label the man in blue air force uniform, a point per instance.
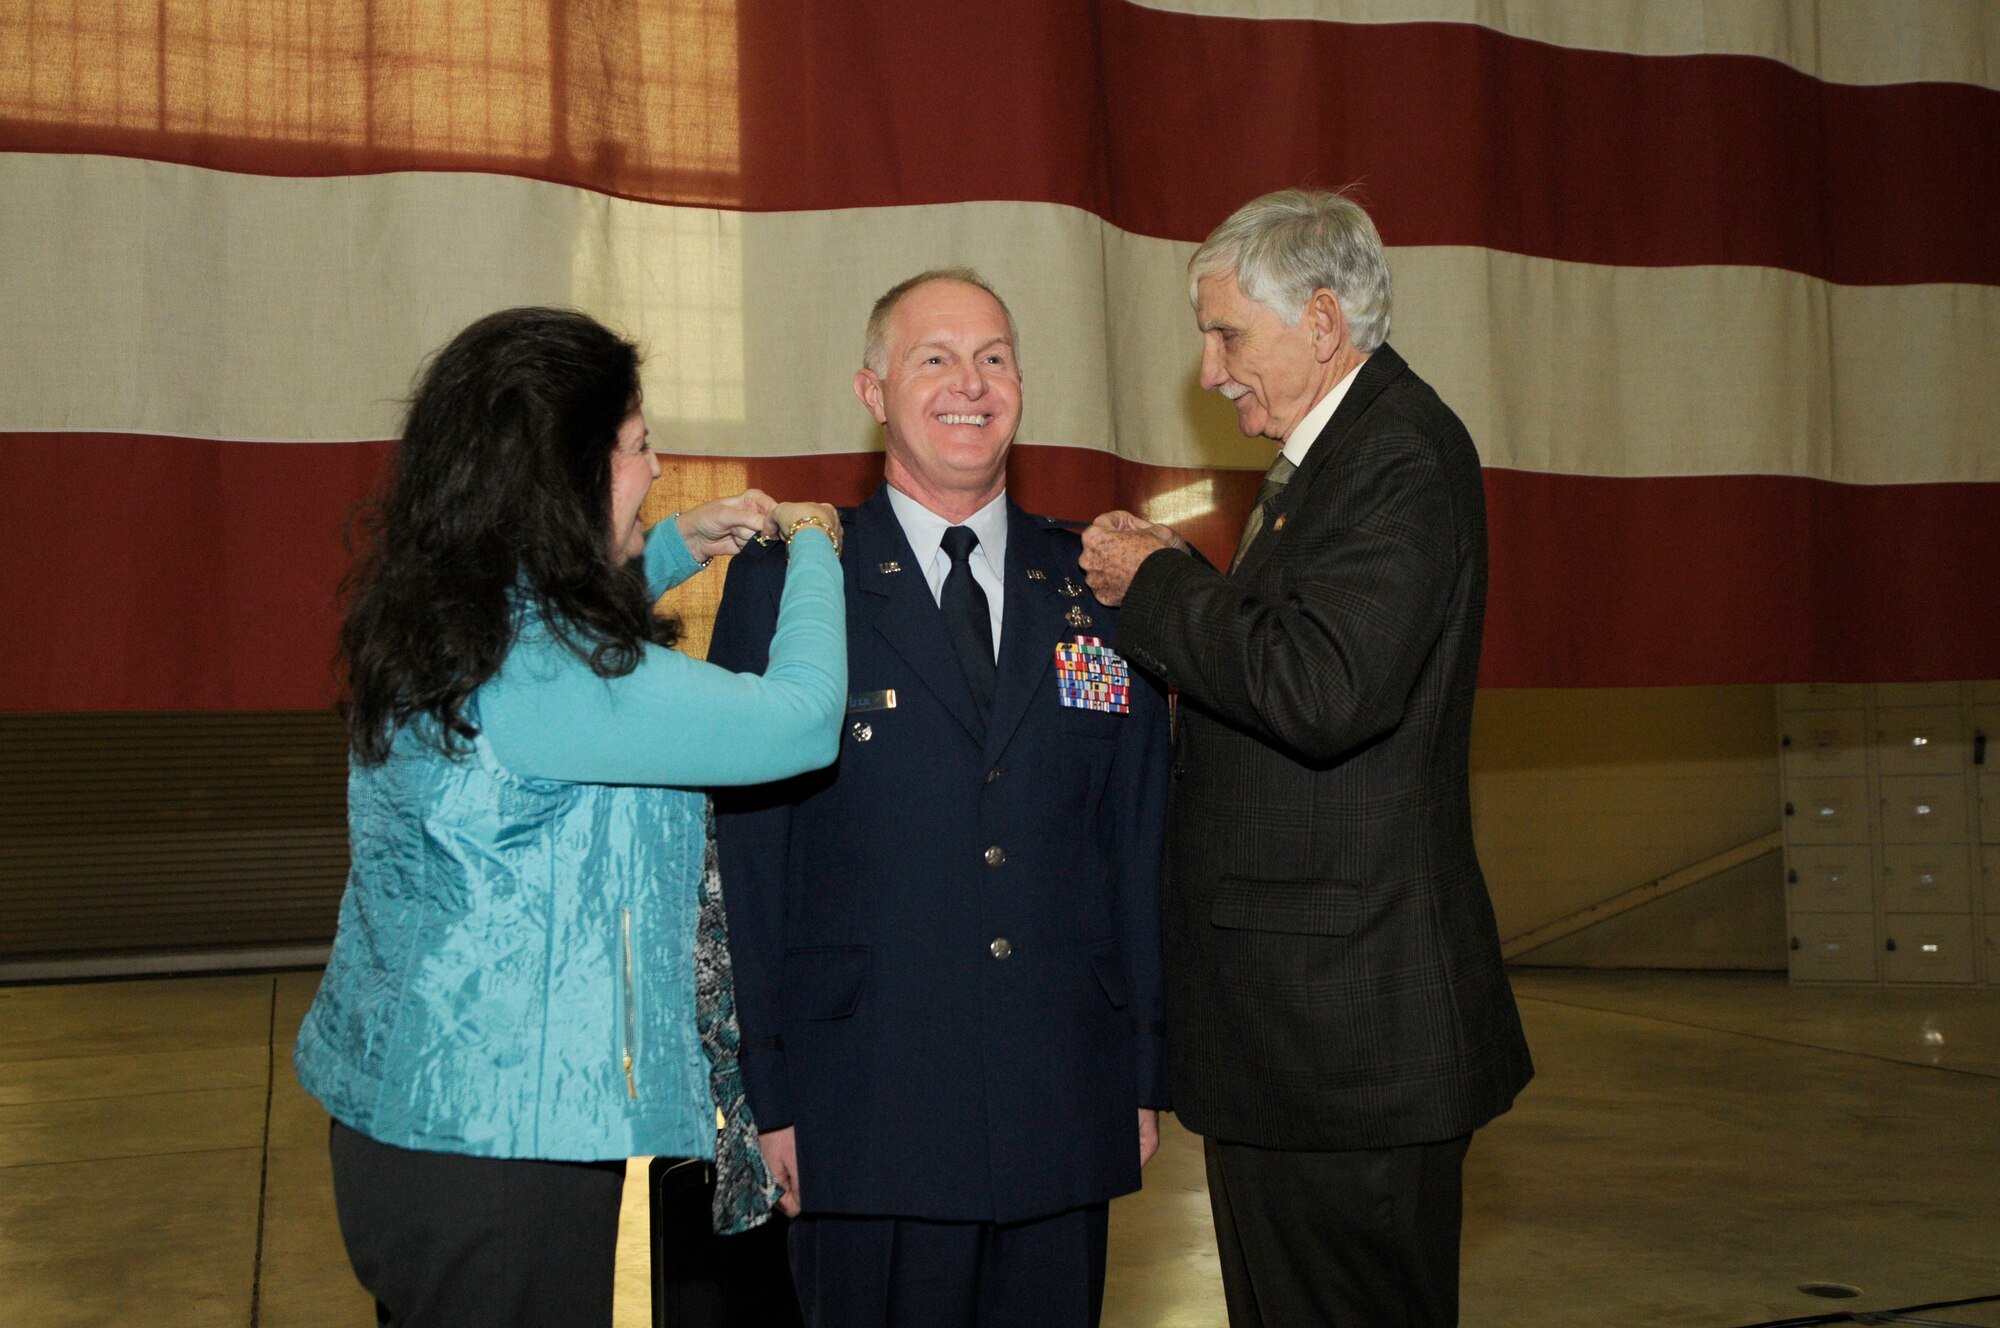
(946, 947)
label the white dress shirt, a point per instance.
(1300, 440)
(924, 529)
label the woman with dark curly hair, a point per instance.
(529, 983)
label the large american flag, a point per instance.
(1713, 285)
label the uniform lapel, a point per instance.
(897, 605)
(1031, 623)
(1380, 369)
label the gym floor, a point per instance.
(1695, 1150)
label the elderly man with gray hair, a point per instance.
(1338, 1019)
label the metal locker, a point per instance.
(1826, 811)
(1891, 826)
(1822, 696)
(1917, 879)
(1818, 743)
(1829, 879)
(1927, 947)
(1919, 740)
(1916, 693)
(1833, 947)
(1923, 809)
(1982, 733)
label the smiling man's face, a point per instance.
(1270, 370)
(949, 397)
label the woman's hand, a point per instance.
(781, 1154)
(786, 515)
(723, 526)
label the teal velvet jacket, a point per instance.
(513, 974)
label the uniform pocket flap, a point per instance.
(1109, 966)
(824, 982)
(1305, 908)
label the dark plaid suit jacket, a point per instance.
(1333, 972)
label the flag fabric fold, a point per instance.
(1720, 302)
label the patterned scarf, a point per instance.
(744, 1189)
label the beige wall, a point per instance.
(1578, 795)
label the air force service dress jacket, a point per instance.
(946, 947)
(1333, 969)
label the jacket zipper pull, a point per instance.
(625, 934)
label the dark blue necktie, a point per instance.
(967, 619)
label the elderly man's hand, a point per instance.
(1113, 548)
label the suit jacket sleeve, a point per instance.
(1322, 656)
(753, 839)
(1134, 820)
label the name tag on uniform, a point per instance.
(1092, 676)
(882, 700)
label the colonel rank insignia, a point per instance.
(1091, 676)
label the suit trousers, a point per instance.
(1360, 1238)
(448, 1241)
(896, 1272)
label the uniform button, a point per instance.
(1001, 947)
(862, 731)
(995, 856)
(993, 775)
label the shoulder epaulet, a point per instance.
(1059, 525)
(758, 550)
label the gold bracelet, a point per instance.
(811, 520)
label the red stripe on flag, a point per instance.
(1461, 135)
(176, 574)
(1163, 123)
(1737, 579)
(173, 574)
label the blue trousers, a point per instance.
(891, 1272)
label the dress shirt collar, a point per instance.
(924, 529)
(1300, 440)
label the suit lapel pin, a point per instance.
(1076, 617)
(1071, 588)
(888, 567)
(1279, 524)
(1037, 574)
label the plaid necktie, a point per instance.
(1274, 480)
